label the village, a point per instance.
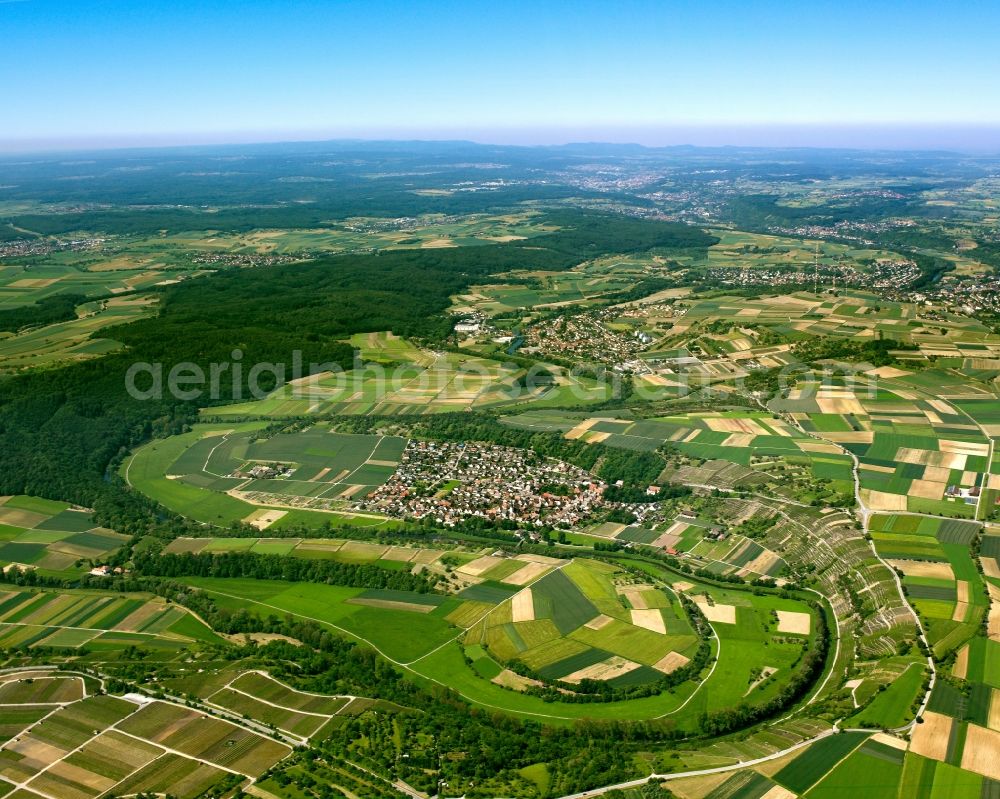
(452, 481)
(586, 337)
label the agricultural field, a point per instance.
(742, 250)
(394, 377)
(254, 694)
(918, 449)
(94, 621)
(221, 475)
(710, 447)
(73, 340)
(539, 290)
(566, 620)
(87, 744)
(52, 538)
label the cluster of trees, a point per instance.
(877, 352)
(47, 311)
(278, 567)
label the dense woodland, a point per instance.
(278, 567)
(57, 308)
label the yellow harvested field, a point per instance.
(850, 437)
(964, 447)
(745, 426)
(581, 428)
(762, 563)
(942, 407)
(390, 604)
(993, 620)
(890, 740)
(818, 447)
(726, 614)
(36, 754)
(778, 792)
(990, 567)
(880, 500)
(527, 573)
(792, 622)
(961, 665)
(926, 457)
(264, 518)
(532, 558)
(606, 670)
(522, 606)
(962, 590)
(840, 406)
(479, 565)
(510, 679)
(671, 662)
(981, 751)
(650, 619)
(698, 787)
(599, 623)
(682, 586)
(742, 440)
(874, 467)
(667, 540)
(34, 283)
(21, 518)
(936, 474)
(634, 597)
(994, 717)
(930, 739)
(75, 774)
(920, 568)
(927, 489)
(427, 556)
(138, 617)
(888, 371)
(658, 380)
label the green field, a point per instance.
(51, 538)
(190, 474)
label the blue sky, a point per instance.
(175, 70)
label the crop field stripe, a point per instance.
(13, 601)
(813, 764)
(570, 609)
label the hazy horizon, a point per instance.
(977, 140)
(901, 75)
